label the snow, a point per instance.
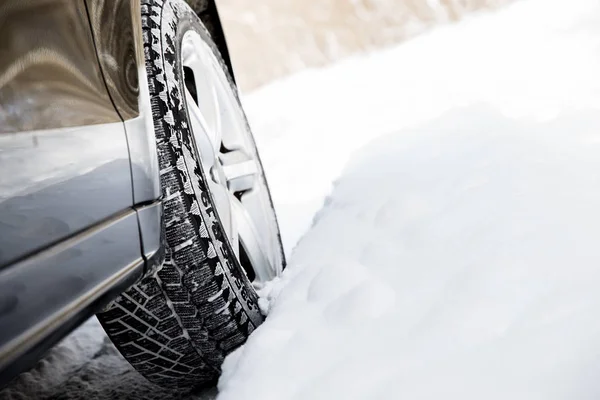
(85, 365)
(470, 273)
(439, 207)
(454, 251)
(535, 59)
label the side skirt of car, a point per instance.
(47, 295)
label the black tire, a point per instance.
(177, 325)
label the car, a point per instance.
(130, 187)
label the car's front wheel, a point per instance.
(176, 325)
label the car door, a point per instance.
(64, 160)
(71, 237)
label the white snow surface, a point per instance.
(455, 252)
(440, 207)
(536, 59)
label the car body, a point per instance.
(80, 199)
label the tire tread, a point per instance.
(176, 325)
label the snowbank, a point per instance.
(457, 253)
(458, 259)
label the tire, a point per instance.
(178, 324)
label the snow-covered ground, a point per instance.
(457, 254)
(440, 206)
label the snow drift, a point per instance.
(457, 253)
(457, 260)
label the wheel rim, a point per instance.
(230, 163)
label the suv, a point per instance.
(130, 186)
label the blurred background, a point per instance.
(269, 39)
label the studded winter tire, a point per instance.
(178, 323)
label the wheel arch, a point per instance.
(209, 15)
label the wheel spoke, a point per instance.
(200, 130)
(239, 170)
(209, 106)
(207, 102)
(248, 237)
(218, 128)
(234, 237)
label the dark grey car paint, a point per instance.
(116, 27)
(42, 296)
(80, 214)
(152, 235)
(117, 30)
(50, 191)
(69, 238)
(59, 131)
(49, 76)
